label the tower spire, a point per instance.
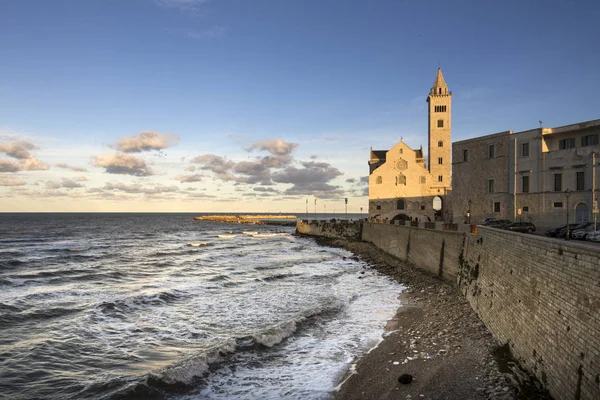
(439, 85)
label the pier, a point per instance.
(251, 219)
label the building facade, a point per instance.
(543, 175)
(401, 182)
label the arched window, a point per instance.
(440, 143)
(379, 180)
(400, 204)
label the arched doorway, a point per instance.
(400, 204)
(437, 207)
(582, 213)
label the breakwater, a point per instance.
(538, 295)
(250, 219)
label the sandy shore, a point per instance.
(438, 339)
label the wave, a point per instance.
(228, 236)
(140, 301)
(36, 315)
(198, 244)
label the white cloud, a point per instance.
(11, 182)
(146, 141)
(123, 164)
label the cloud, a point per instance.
(350, 180)
(189, 178)
(11, 182)
(255, 172)
(274, 146)
(33, 164)
(312, 179)
(182, 5)
(216, 164)
(123, 164)
(137, 188)
(66, 183)
(18, 149)
(72, 168)
(146, 141)
(191, 168)
(9, 166)
(265, 190)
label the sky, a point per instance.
(265, 105)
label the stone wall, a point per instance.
(339, 229)
(542, 296)
(435, 251)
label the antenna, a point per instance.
(540, 123)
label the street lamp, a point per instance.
(469, 212)
(361, 213)
(567, 194)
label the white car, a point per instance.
(593, 236)
(581, 234)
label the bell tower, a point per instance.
(440, 128)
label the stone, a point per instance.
(405, 379)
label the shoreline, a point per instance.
(437, 338)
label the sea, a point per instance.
(161, 306)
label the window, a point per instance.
(440, 143)
(440, 108)
(566, 144)
(558, 182)
(525, 150)
(525, 208)
(589, 140)
(557, 204)
(422, 208)
(422, 179)
(440, 178)
(496, 206)
(400, 204)
(379, 180)
(581, 180)
(490, 186)
(378, 207)
(491, 151)
(525, 184)
(440, 160)
(440, 123)
(465, 155)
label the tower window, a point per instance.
(491, 151)
(465, 155)
(440, 108)
(440, 143)
(440, 178)
(440, 123)
(379, 180)
(440, 91)
(440, 160)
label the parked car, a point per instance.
(593, 236)
(525, 227)
(572, 227)
(580, 234)
(497, 223)
(555, 231)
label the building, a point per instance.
(542, 175)
(400, 182)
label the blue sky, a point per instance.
(219, 105)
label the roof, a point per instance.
(439, 80)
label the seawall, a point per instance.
(539, 295)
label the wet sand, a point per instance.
(437, 338)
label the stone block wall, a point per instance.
(338, 229)
(435, 251)
(542, 296)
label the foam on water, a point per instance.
(263, 314)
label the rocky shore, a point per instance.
(437, 339)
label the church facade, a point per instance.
(402, 182)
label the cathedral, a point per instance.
(402, 183)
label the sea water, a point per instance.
(162, 306)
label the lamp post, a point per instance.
(307, 208)
(469, 212)
(315, 208)
(361, 213)
(567, 194)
